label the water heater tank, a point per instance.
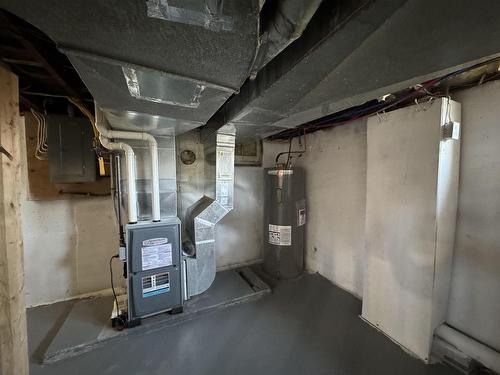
(284, 222)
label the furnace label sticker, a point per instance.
(280, 235)
(156, 253)
(155, 284)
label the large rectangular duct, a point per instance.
(209, 210)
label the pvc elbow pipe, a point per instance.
(131, 174)
(480, 352)
(153, 151)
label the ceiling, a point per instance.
(169, 66)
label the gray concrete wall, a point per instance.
(335, 172)
(474, 306)
(67, 242)
(67, 246)
(335, 164)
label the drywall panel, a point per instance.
(335, 165)
(404, 211)
(474, 306)
(401, 226)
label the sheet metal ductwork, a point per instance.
(168, 66)
(354, 51)
(209, 210)
(288, 22)
(160, 66)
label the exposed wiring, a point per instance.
(403, 98)
(97, 133)
(118, 317)
(87, 113)
(290, 152)
(41, 147)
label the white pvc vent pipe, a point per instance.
(131, 174)
(153, 151)
(467, 345)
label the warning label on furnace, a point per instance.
(280, 235)
(156, 253)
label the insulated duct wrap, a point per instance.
(209, 210)
(290, 19)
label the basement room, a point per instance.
(241, 187)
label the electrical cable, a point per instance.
(290, 152)
(122, 324)
(41, 147)
(87, 113)
(375, 106)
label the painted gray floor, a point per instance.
(306, 326)
(87, 325)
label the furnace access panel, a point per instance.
(153, 268)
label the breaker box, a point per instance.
(71, 155)
(154, 268)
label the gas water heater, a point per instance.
(284, 222)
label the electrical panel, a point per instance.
(70, 149)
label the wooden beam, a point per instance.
(13, 332)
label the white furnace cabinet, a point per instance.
(411, 204)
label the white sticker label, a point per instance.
(155, 284)
(280, 235)
(301, 217)
(456, 130)
(156, 253)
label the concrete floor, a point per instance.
(307, 326)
